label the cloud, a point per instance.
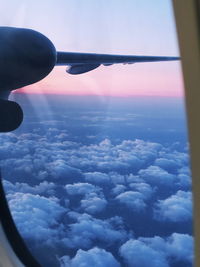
(169, 165)
(177, 247)
(58, 169)
(93, 198)
(158, 251)
(117, 178)
(81, 188)
(176, 208)
(93, 204)
(154, 175)
(136, 254)
(125, 157)
(36, 217)
(172, 160)
(92, 231)
(145, 151)
(184, 178)
(94, 182)
(130, 178)
(44, 188)
(94, 257)
(51, 156)
(145, 189)
(118, 189)
(133, 200)
(97, 178)
(180, 247)
(184, 181)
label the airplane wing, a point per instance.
(78, 63)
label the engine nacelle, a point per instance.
(11, 115)
(26, 56)
(81, 68)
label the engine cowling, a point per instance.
(11, 115)
(26, 56)
(81, 68)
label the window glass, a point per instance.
(98, 173)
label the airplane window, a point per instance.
(98, 172)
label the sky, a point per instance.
(129, 27)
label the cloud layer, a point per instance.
(157, 251)
(105, 203)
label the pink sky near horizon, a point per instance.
(146, 79)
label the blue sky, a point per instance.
(133, 25)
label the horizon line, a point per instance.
(15, 92)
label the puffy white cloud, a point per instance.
(156, 243)
(172, 159)
(105, 144)
(118, 189)
(145, 189)
(180, 247)
(111, 164)
(167, 164)
(176, 208)
(93, 204)
(43, 188)
(134, 179)
(81, 188)
(37, 217)
(36, 157)
(184, 181)
(60, 169)
(136, 254)
(106, 157)
(158, 251)
(97, 178)
(133, 200)
(177, 247)
(94, 257)
(92, 231)
(157, 176)
(185, 170)
(117, 178)
(145, 151)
